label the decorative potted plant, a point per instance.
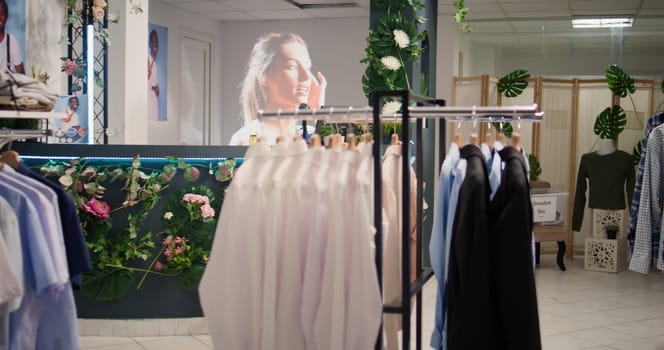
(611, 231)
(325, 131)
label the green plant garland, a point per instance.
(117, 257)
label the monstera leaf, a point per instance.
(107, 285)
(610, 123)
(190, 278)
(619, 82)
(636, 153)
(506, 130)
(513, 84)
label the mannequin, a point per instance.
(608, 173)
(605, 146)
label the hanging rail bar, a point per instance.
(463, 113)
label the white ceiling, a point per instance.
(514, 24)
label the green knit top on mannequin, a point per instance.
(608, 177)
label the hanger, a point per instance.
(350, 140)
(500, 137)
(10, 158)
(315, 141)
(395, 136)
(474, 138)
(488, 139)
(457, 140)
(367, 136)
(516, 136)
(516, 141)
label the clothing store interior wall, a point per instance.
(533, 35)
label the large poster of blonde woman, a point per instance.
(157, 72)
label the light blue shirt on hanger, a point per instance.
(452, 174)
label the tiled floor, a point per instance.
(578, 310)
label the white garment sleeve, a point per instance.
(15, 51)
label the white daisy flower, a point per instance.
(401, 38)
(391, 62)
(391, 107)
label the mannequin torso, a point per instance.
(606, 146)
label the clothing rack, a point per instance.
(427, 108)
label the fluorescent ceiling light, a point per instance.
(602, 23)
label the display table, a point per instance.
(550, 224)
(556, 234)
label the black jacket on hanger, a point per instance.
(514, 296)
(469, 297)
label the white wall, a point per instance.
(485, 59)
(335, 46)
(177, 21)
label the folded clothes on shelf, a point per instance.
(21, 92)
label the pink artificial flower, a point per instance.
(168, 240)
(97, 208)
(167, 253)
(158, 266)
(207, 211)
(179, 239)
(179, 250)
(169, 258)
(195, 198)
(69, 66)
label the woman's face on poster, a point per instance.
(288, 81)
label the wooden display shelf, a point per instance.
(551, 233)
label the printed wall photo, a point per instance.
(278, 75)
(12, 35)
(74, 127)
(157, 72)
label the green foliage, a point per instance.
(610, 123)
(619, 82)
(636, 153)
(460, 17)
(507, 129)
(326, 130)
(19, 123)
(226, 170)
(382, 42)
(513, 84)
(190, 278)
(535, 167)
(117, 254)
(107, 285)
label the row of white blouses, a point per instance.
(293, 261)
(37, 309)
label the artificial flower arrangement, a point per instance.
(79, 14)
(115, 222)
